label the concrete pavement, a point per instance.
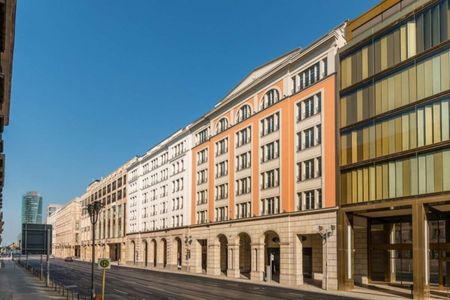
(18, 284)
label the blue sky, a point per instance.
(98, 82)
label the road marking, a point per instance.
(121, 291)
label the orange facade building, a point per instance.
(262, 185)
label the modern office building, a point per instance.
(394, 147)
(111, 224)
(7, 32)
(262, 189)
(32, 208)
(159, 185)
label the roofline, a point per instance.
(312, 45)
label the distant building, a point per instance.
(52, 208)
(32, 208)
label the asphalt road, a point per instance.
(131, 283)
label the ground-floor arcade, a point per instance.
(114, 249)
(286, 248)
(63, 251)
(403, 244)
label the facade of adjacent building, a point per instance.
(7, 31)
(110, 239)
(51, 220)
(52, 208)
(394, 146)
(66, 229)
(32, 208)
(262, 188)
(159, 184)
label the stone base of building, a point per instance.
(287, 249)
(114, 249)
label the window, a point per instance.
(243, 186)
(309, 169)
(202, 217)
(244, 113)
(222, 125)
(202, 176)
(319, 198)
(270, 151)
(419, 126)
(202, 136)
(270, 206)
(222, 191)
(243, 136)
(202, 197)
(243, 210)
(221, 169)
(309, 76)
(222, 147)
(270, 124)
(309, 108)
(309, 138)
(270, 179)
(270, 98)
(309, 200)
(202, 156)
(319, 135)
(243, 161)
(222, 213)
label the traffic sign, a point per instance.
(104, 263)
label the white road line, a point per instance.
(121, 291)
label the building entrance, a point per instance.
(114, 251)
(307, 262)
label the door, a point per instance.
(307, 262)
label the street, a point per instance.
(131, 283)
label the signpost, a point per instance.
(104, 264)
(37, 239)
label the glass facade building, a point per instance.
(32, 208)
(394, 145)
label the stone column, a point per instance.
(420, 252)
(345, 251)
(233, 261)
(257, 273)
(286, 267)
(160, 254)
(195, 263)
(298, 250)
(361, 250)
(213, 259)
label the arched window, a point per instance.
(222, 125)
(270, 98)
(244, 112)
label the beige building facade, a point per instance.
(66, 229)
(110, 239)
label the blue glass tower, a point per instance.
(32, 208)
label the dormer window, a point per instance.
(270, 98)
(244, 113)
(222, 125)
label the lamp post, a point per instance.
(93, 210)
(325, 233)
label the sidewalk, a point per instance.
(17, 284)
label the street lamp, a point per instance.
(325, 233)
(93, 210)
